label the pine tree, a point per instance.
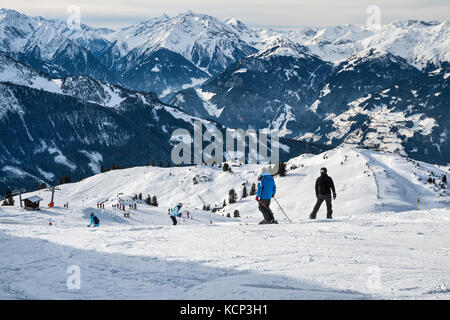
(102, 169)
(253, 189)
(236, 214)
(444, 179)
(244, 192)
(282, 169)
(224, 204)
(148, 200)
(225, 167)
(154, 201)
(204, 207)
(232, 196)
(9, 200)
(140, 196)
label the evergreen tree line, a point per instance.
(151, 201)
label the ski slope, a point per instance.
(378, 246)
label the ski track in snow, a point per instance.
(374, 248)
(304, 260)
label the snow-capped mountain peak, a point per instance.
(21, 33)
(420, 43)
(202, 39)
(280, 46)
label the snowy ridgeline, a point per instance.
(377, 246)
(366, 182)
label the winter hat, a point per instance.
(323, 170)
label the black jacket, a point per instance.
(324, 185)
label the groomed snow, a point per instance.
(378, 246)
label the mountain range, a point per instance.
(76, 99)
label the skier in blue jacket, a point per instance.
(265, 192)
(175, 212)
(94, 221)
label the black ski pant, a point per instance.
(174, 220)
(264, 207)
(321, 198)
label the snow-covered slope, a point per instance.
(17, 73)
(366, 181)
(367, 251)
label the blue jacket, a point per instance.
(266, 187)
(93, 222)
(175, 212)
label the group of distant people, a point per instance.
(120, 206)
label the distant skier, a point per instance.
(264, 193)
(324, 187)
(175, 212)
(94, 221)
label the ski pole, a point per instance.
(261, 203)
(282, 209)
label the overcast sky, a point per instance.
(257, 13)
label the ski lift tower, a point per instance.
(18, 192)
(52, 189)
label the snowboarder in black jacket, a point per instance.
(324, 187)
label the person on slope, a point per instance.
(264, 193)
(324, 187)
(94, 220)
(175, 212)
